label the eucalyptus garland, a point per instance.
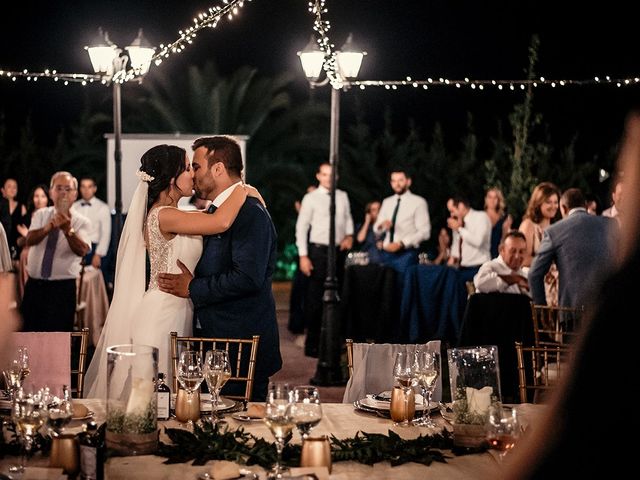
(218, 442)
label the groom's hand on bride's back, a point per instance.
(176, 283)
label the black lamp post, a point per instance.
(107, 59)
(348, 61)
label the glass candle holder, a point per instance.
(132, 425)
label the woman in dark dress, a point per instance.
(17, 210)
(501, 222)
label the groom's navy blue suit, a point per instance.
(231, 290)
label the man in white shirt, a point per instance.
(505, 273)
(98, 212)
(404, 221)
(471, 239)
(59, 238)
(616, 198)
(312, 240)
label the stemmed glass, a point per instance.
(426, 369)
(403, 374)
(279, 418)
(307, 411)
(17, 371)
(28, 413)
(217, 370)
(59, 412)
(502, 428)
(190, 374)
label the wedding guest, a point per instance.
(403, 223)
(366, 238)
(542, 211)
(98, 212)
(501, 221)
(444, 247)
(17, 210)
(616, 208)
(568, 436)
(504, 273)
(59, 238)
(37, 199)
(312, 240)
(593, 204)
(581, 245)
(471, 236)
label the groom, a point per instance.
(231, 285)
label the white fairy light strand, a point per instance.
(330, 66)
(210, 19)
(508, 85)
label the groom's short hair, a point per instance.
(221, 148)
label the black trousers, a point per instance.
(49, 305)
(313, 306)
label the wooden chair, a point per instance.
(555, 325)
(540, 369)
(239, 349)
(79, 346)
(80, 304)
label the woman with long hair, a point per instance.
(140, 312)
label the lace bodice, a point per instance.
(164, 253)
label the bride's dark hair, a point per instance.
(163, 163)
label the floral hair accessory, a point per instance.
(144, 176)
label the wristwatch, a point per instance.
(71, 232)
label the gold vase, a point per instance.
(316, 452)
(64, 453)
(403, 404)
(187, 405)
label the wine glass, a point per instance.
(190, 374)
(28, 413)
(23, 360)
(279, 418)
(403, 374)
(13, 377)
(502, 428)
(307, 411)
(426, 369)
(217, 370)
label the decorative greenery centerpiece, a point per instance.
(218, 442)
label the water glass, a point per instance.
(307, 410)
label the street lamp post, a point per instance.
(348, 60)
(107, 59)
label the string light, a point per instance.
(511, 85)
(209, 19)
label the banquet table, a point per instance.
(339, 419)
(94, 295)
(433, 302)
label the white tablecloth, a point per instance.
(338, 419)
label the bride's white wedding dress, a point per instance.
(157, 314)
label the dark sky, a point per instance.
(484, 40)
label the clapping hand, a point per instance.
(176, 283)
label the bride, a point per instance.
(156, 224)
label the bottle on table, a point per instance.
(163, 393)
(92, 451)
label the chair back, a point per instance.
(79, 347)
(540, 369)
(555, 325)
(371, 368)
(55, 359)
(81, 305)
(242, 356)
